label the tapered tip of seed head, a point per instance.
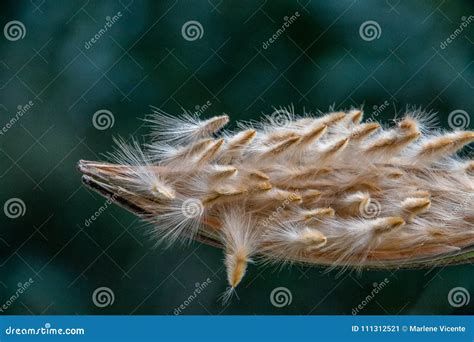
(264, 186)
(80, 165)
(223, 171)
(437, 145)
(411, 136)
(356, 116)
(312, 239)
(217, 122)
(223, 194)
(359, 197)
(159, 190)
(259, 175)
(86, 179)
(320, 213)
(284, 145)
(464, 138)
(314, 133)
(408, 125)
(437, 233)
(295, 198)
(338, 146)
(415, 205)
(212, 150)
(468, 135)
(394, 173)
(199, 145)
(445, 145)
(420, 193)
(83, 165)
(249, 134)
(333, 118)
(365, 130)
(342, 143)
(230, 190)
(386, 224)
(311, 195)
(237, 266)
(231, 170)
(286, 196)
(218, 143)
(469, 167)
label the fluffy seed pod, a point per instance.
(328, 190)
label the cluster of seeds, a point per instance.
(325, 190)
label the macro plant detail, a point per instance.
(328, 190)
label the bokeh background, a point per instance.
(323, 59)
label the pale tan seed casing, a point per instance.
(324, 190)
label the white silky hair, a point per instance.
(287, 189)
(142, 177)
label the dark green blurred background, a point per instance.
(320, 60)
